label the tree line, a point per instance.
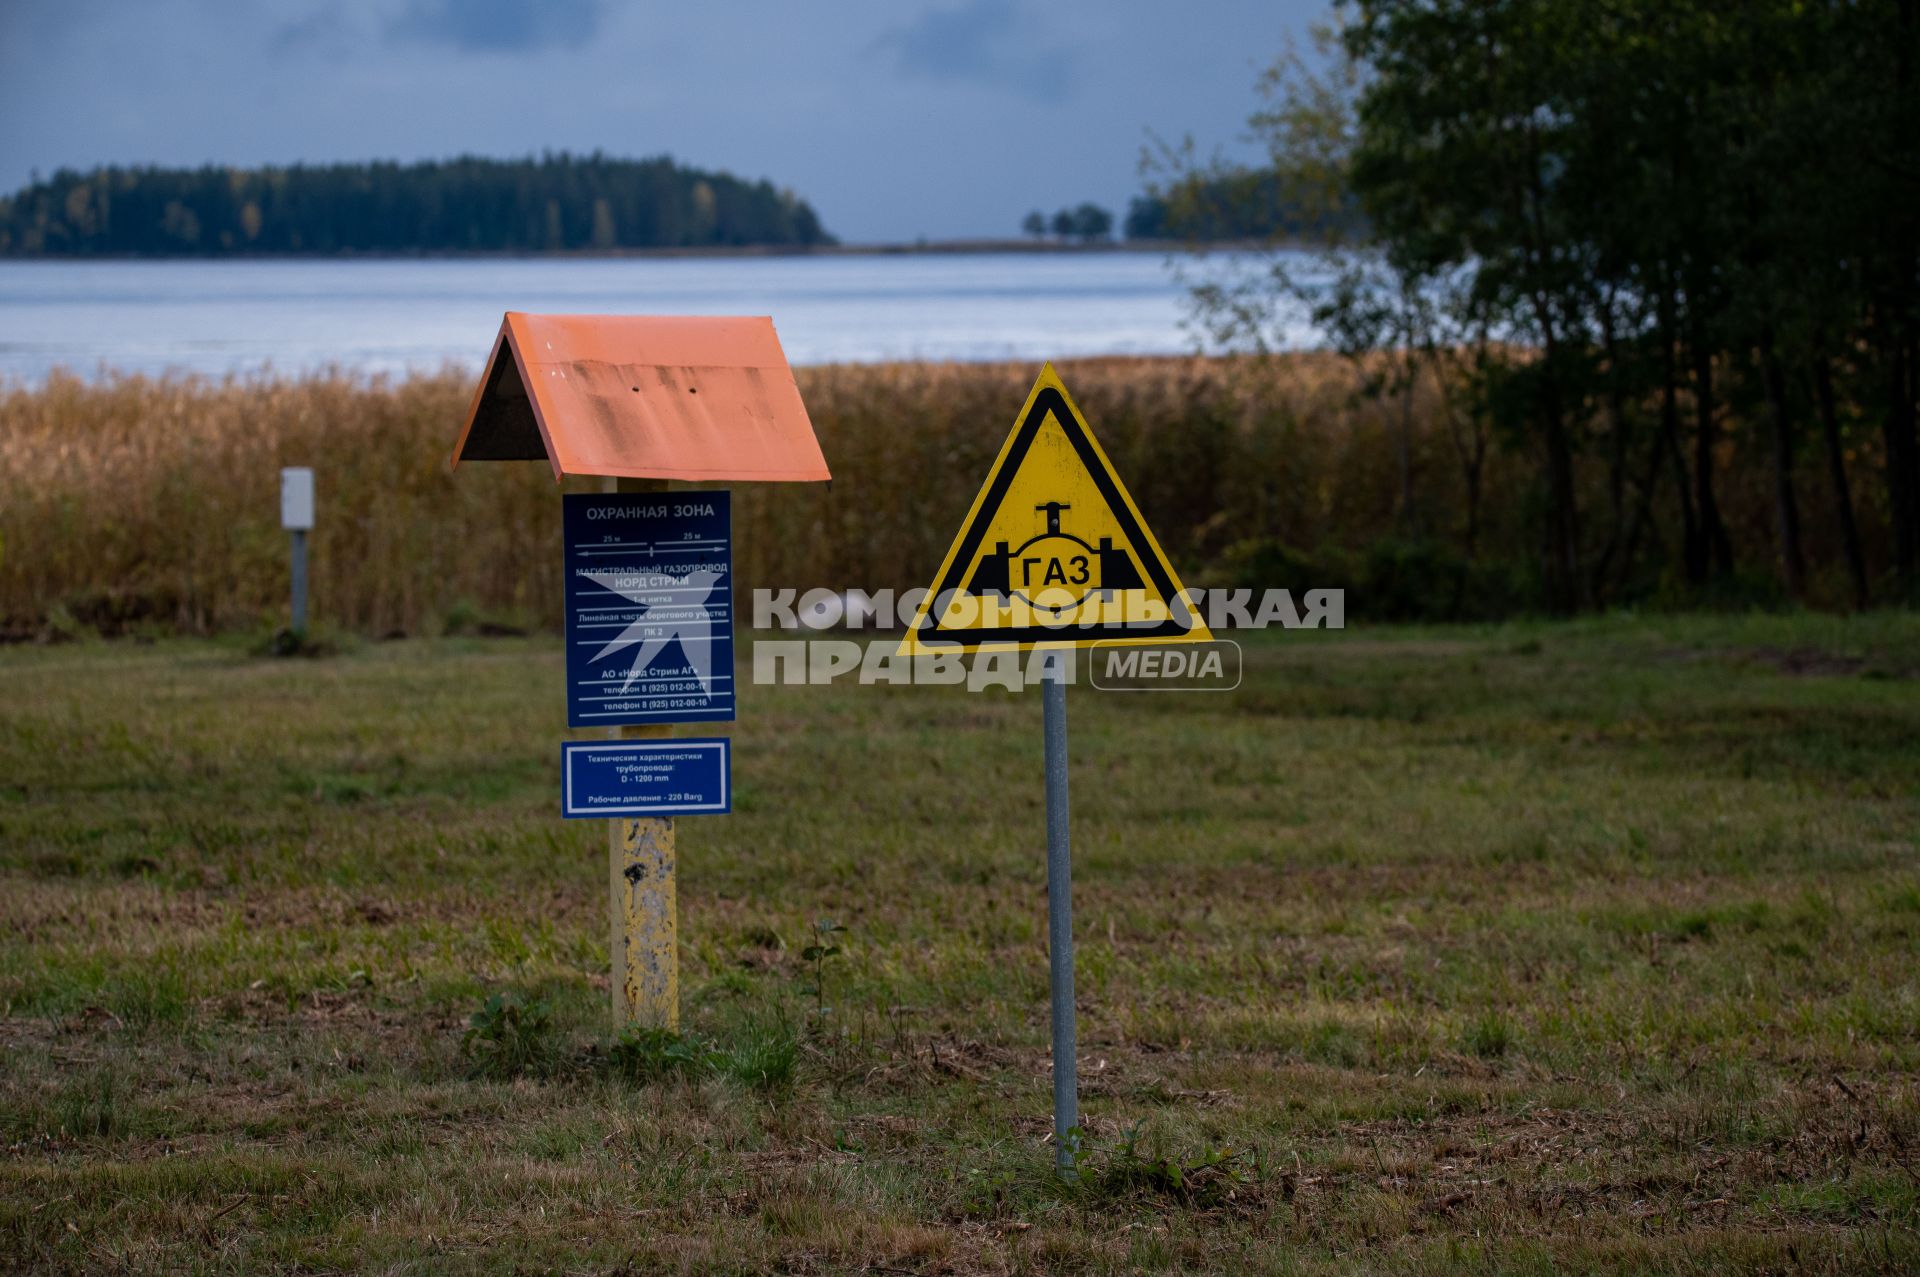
(1645, 245)
(1232, 206)
(1089, 223)
(555, 203)
(1211, 208)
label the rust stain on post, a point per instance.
(640, 876)
(646, 959)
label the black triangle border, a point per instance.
(1050, 400)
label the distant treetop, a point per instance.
(1240, 205)
(1089, 223)
(555, 203)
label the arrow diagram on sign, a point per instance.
(693, 625)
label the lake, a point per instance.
(395, 316)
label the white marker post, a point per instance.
(296, 516)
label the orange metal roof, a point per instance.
(642, 396)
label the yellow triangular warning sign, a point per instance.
(1053, 553)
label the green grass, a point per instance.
(1551, 948)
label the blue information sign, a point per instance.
(646, 777)
(649, 608)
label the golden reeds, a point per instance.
(153, 501)
(136, 501)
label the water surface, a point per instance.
(389, 316)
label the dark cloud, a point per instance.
(984, 42)
(326, 32)
(894, 118)
(498, 26)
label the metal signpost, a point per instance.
(649, 623)
(638, 401)
(1054, 556)
(296, 516)
(1066, 1061)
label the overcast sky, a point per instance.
(895, 118)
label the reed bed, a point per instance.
(132, 502)
(135, 501)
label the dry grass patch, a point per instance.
(1446, 960)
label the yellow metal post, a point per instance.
(640, 867)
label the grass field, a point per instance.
(1556, 948)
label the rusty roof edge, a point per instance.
(532, 354)
(793, 379)
(479, 397)
(701, 474)
(776, 365)
(510, 326)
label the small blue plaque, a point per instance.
(646, 777)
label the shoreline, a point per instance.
(368, 378)
(927, 248)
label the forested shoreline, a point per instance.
(556, 203)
